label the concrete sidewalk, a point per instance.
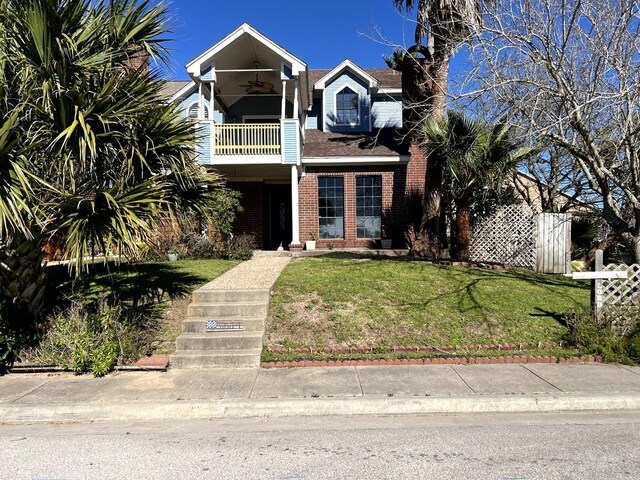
(378, 390)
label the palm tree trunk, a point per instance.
(425, 87)
(22, 276)
(463, 227)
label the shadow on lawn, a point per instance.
(469, 281)
(135, 286)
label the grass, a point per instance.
(381, 303)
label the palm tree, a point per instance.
(89, 151)
(476, 157)
(444, 24)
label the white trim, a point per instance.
(346, 64)
(335, 107)
(295, 207)
(258, 117)
(197, 102)
(183, 91)
(356, 160)
(297, 65)
(249, 160)
(388, 91)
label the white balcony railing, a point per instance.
(246, 139)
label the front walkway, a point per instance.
(226, 320)
(375, 390)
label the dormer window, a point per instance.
(194, 109)
(347, 107)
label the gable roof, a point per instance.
(386, 77)
(297, 65)
(173, 87)
(346, 65)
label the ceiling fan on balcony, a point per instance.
(257, 86)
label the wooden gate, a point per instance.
(553, 243)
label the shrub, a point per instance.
(17, 331)
(241, 247)
(83, 339)
(602, 337)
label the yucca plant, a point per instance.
(89, 151)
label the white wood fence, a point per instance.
(246, 139)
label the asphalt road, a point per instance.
(540, 446)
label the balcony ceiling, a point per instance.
(244, 49)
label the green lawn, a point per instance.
(380, 303)
(135, 283)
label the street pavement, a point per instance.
(363, 390)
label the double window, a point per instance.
(347, 107)
(331, 207)
(369, 206)
(368, 201)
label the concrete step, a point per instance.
(219, 341)
(198, 324)
(222, 358)
(271, 253)
(238, 309)
(227, 296)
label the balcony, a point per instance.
(251, 143)
(246, 139)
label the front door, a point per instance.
(278, 216)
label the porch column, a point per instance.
(283, 113)
(200, 102)
(211, 124)
(296, 113)
(295, 210)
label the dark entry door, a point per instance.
(279, 216)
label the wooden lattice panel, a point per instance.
(621, 297)
(507, 236)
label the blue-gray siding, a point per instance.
(204, 146)
(289, 149)
(361, 88)
(268, 106)
(386, 111)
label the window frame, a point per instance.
(342, 207)
(197, 117)
(335, 106)
(369, 195)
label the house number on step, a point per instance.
(215, 326)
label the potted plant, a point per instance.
(172, 254)
(311, 244)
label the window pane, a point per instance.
(346, 107)
(331, 207)
(369, 206)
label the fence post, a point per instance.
(597, 288)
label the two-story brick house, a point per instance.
(312, 151)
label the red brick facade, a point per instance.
(402, 186)
(252, 220)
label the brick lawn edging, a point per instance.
(416, 348)
(432, 361)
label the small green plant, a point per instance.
(313, 236)
(599, 337)
(241, 247)
(84, 339)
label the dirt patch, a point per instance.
(171, 325)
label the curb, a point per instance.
(431, 361)
(234, 409)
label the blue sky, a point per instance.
(320, 33)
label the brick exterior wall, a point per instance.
(252, 220)
(401, 190)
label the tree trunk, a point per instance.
(425, 86)
(22, 276)
(463, 227)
